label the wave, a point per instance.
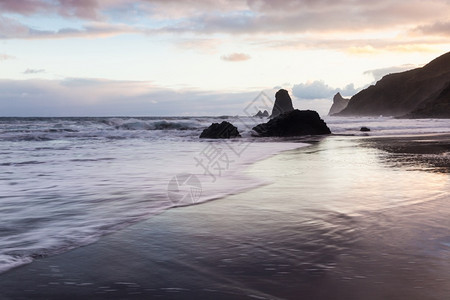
(138, 124)
(188, 128)
(380, 126)
(27, 138)
(8, 262)
(22, 163)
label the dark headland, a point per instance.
(418, 93)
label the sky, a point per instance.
(205, 57)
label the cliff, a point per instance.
(418, 93)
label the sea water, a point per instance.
(64, 182)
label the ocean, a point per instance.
(66, 182)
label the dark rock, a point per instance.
(339, 103)
(438, 107)
(364, 129)
(283, 103)
(224, 130)
(294, 123)
(417, 93)
(261, 114)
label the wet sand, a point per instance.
(339, 221)
(430, 152)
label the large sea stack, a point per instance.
(339, 103)
(418, 93)
(283, 103)
(293, 123)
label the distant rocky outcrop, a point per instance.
(339, 103)
(293, 123)
(283, 103)
(261, 114)
(418, 93)
(224, 130)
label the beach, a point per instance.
(348, 217)
(233, 149)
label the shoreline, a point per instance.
(261, 244)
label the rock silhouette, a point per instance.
(438, 107)
(293, 123)
(418, 93)
(339, 103)
(224, 130)
(261, 114)
(283, 103)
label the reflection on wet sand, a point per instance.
(426, 152)
(337, 222)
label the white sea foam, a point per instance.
(380, 126)
(8, 262)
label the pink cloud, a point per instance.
(23, 6)
(85, 9)
(437, 28)
(234, 57)
(294, 16)
(10, 28)
(247, 16)
(265, 19)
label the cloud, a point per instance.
(293, 16)
(246, 16)
(92, 30)
(379, 73)
(6, 57)
(312, 90)
(338, 24)
(85, 9)
(234, 57)
(10, 29)
(356, 46)
(100, 97)
(34, 71)
(355, 27)
(24, 7)
(320, 90)
(437, 28)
